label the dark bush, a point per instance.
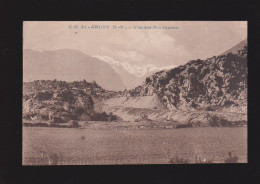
(44, 117)
(58, 120)
(46, 95)
(209, 108)
(219, 80)
(219, 93)
(228, 103)
(194, 105)
(214, 121)
(79, 111)
(41, 125)
(75, 124)
(191, 70)
(148, 80)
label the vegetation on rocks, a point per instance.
(213, 84)
(211, 92)
(58, 102)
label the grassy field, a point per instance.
(71, 146)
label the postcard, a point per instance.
(134, 92)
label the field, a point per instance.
(72, 146)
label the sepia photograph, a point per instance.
(134, 92)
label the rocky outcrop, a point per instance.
(202, 92)
(59, 101)
(215, 84)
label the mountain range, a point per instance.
(69, 65)
(201, 91)
(73, 65)
(211, 91)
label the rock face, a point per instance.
(202, 92)
(59, 101)
(217, 83)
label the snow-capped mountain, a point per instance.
(132, 75)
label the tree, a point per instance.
(214, 121)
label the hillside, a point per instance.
(59, 101)
(200, 91)
(69, 65)
(216, 83)
(236, 48)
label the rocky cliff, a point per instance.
(201, 92)
(211, 91)
(217, 83)
(60, 101)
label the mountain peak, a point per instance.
(236, 48)
(69, 65)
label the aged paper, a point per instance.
(134, 92)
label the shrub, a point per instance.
(44, 117)
(58, 120)
(79, 111)
(214, 121)
(148, 80)
(28, 115)
(228, 103)
(75, 124)
(191, 70)
(209, 108)
(46, 95)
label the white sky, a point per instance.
(192, 40)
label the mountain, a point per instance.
(130, 80)
(132, 75)
(201, 92)
(69, 65)
(210, 92)
(216, 83)
(236, 48)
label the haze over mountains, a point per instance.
(132, 75)
(69, 65)
(73, 65)
(199, 92)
